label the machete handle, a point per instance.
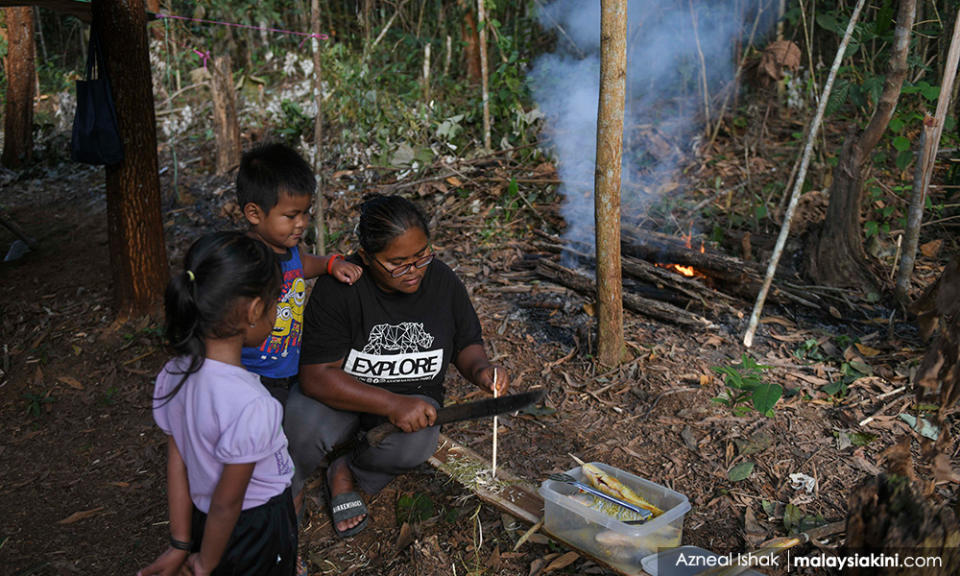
(376, 434)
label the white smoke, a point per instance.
(664, 101)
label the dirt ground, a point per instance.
(82, 463)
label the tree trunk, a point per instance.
(471, 39)
(138, 257)
(226, 126)
(484, 73)
(838, 258)
(613, 76)
(19, 65)
(938, 310)
(319, 220)
(886, 516)
(929, 143)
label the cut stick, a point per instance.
(493, 468)
(801, 177)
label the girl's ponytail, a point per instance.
(203, 301)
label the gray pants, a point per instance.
(313, 429)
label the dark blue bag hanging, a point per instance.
(96, 135)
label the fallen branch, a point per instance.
(801, 178)
(650, 308)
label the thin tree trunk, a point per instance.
(484, 73)
(226, 126)
(471, 39)
(705, 89)
(319, 222)
(930, 142)
(838, 257)
(426, 73)
(138, 257)
(20, 68)
(613, 76)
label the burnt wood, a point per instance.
(651, 308)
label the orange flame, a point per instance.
(685, 270)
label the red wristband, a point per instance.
(333, 258)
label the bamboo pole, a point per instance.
(484, 72)
(930, 141)
(801, 177)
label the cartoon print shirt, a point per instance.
(224, 415)
(279, 355)
(401, 342)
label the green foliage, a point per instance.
(796, 521)
(809, 350)
(740, 472)
(849, 372)
(746, 389)
(415, 508)
(37, 404)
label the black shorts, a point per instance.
(263, 542)
(279, 388)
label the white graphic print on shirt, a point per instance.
(392, 354)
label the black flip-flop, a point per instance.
(345, 506)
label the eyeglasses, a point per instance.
(399, 271)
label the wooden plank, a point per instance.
(508, 493)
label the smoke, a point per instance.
(664, 101)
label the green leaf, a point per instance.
(841, 90)
(931, 93)
(833, 388)
(740, 471)
(861, 367)
(862, 438)
(901, 143)
(903, 159)
(896, 124)
(871, 228)
(765, 397)
(792, 517)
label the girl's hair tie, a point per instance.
(190, 276)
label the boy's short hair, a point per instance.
(269, 169)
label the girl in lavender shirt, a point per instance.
(228, 469)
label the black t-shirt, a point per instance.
(401, 342)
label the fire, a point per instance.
(688, 271)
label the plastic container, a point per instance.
(621, 545)
(684, 561)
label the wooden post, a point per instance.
(613, 80)
(226, 126)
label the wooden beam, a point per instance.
(508, 493)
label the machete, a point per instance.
(465, 411)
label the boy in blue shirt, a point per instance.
(275, 188)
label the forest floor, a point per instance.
(82, 463)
